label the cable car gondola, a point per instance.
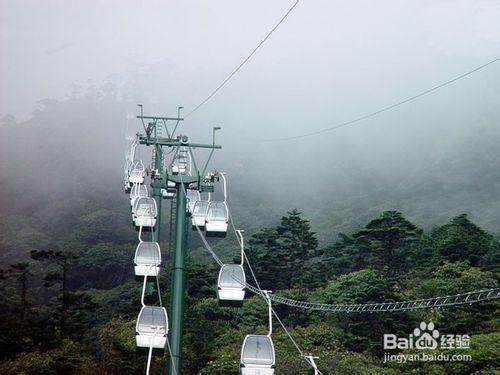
(144, 212)
(257, 355)
(199, 213)
(192, 196)
(257, 352)
(136, 175)
(126, 182)
(135, 206)
(232, 282)
(217, 218)
(151, 328)
(129, 159)
(231, 285)
(137, 191)
(147, 259)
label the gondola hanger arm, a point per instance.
(270, 310)
(239, 234)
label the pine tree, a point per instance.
(388, 242)
(279, 255)
(462, 240)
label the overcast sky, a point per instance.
(329, 62)
(327, 54)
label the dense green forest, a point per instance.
(70, 307)
(70, 299)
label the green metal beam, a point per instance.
(156, 185)
(176, 314)
(173, 142)
(160, 118)
(182, 178)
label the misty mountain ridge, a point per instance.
(73, 150)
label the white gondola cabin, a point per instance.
(257, 352)
(126, 182)
(137, 173)
(129, 160)
(217, 219)
(257, 355)
(199, 213)
(137, 191)
(231, 285)
(192, 196)
(147, 259)
(151, 328)
(144, 212)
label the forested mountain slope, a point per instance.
(66, 248)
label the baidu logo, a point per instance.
(426, 336)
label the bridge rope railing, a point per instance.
(467, 298)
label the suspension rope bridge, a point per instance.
(467, 298)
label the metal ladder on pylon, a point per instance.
(158, 133)
(173, 212)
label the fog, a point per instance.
(91, 62)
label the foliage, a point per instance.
(461, 239)
(278, 254)
(483, 351)
(68, 358)
(387, 243)
(78, 297)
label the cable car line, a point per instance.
(171, 357)
(150, 353)
(268, 297)
(264, 294)
(383, 109)
(226, 80)
(374, 307)
(471, 297)
(257, 353)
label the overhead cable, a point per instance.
(231, 75)
(384, 109)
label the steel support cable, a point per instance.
(171, 357)
(207, 246)
(148, 364)
(150, 353)
(294, 342)
(259, 290)
(262, 294)
(223, 83)
(384, 109)
(205, 242)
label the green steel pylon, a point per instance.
(159, 179)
